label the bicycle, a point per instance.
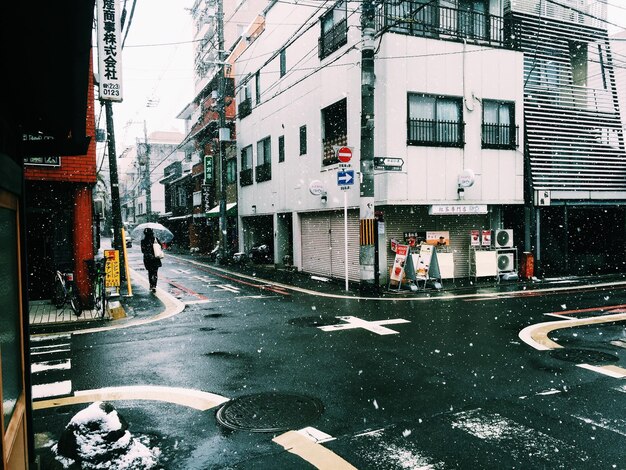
(65, 292)
(97, 271)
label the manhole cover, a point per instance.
(269, 412)
(583, 356)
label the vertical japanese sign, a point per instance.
(109, 50)
(208, 169)
(112, 268)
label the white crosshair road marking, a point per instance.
(373, 326)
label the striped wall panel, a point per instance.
(574, 134)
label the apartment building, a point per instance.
(448, 128)
(217, 153)
(576, 164)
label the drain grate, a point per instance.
(583, 356)
(270, 412)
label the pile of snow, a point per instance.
(98, 438)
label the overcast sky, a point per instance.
(157, 67)
(156, 70)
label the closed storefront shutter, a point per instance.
(316, 248)
(337, 230)
(400, 219)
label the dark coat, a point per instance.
(149, 260)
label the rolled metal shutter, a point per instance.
(316, 248)
(399, 220)
(337, 230)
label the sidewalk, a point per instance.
(464, 286)
(43, 314)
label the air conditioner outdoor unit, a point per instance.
(503, 238)
(506, 262)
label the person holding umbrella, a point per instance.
(151, 259)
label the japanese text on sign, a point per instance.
(112, 270)
(109, 50)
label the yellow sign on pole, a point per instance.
(112, 278)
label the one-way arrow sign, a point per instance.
(345, 177)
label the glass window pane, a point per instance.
(447, 110)
(504, 114)
(10, 341)
(490, 112)
(422, 107)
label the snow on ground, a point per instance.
(98, 438)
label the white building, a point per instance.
(448, 104)
(146, 168)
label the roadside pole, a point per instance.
(345, 234)
(345, 181)
(116, 210)
(367, 221)
(108, 32)
(221, 90)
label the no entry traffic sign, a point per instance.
(344, 154)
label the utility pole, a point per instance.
(368, 275)
(146, 180)
(221, 104)
(116, 210)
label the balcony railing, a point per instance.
(436, 133)
(430, 20)
(499, 136)
(333, 39)
(245, 177)
(263, 172)
(244, 108)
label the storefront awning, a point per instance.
(231, 209)
(180, 217)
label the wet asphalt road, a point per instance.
(454, 388)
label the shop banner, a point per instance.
(414, 239)
(397, 270)
(423, 262)
(394, 245)
(486, 238)
(475, 238)
(438, 238)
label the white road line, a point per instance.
(315, 435)
(228, 287)
(556, 315)
(55, 389)
(50, 365)
(602, 425)
(40, 339)
(206, 279)
(181, 271)
(51, 351)
(611, 371)
(50, 346)
(239, 297)
(203, 301)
